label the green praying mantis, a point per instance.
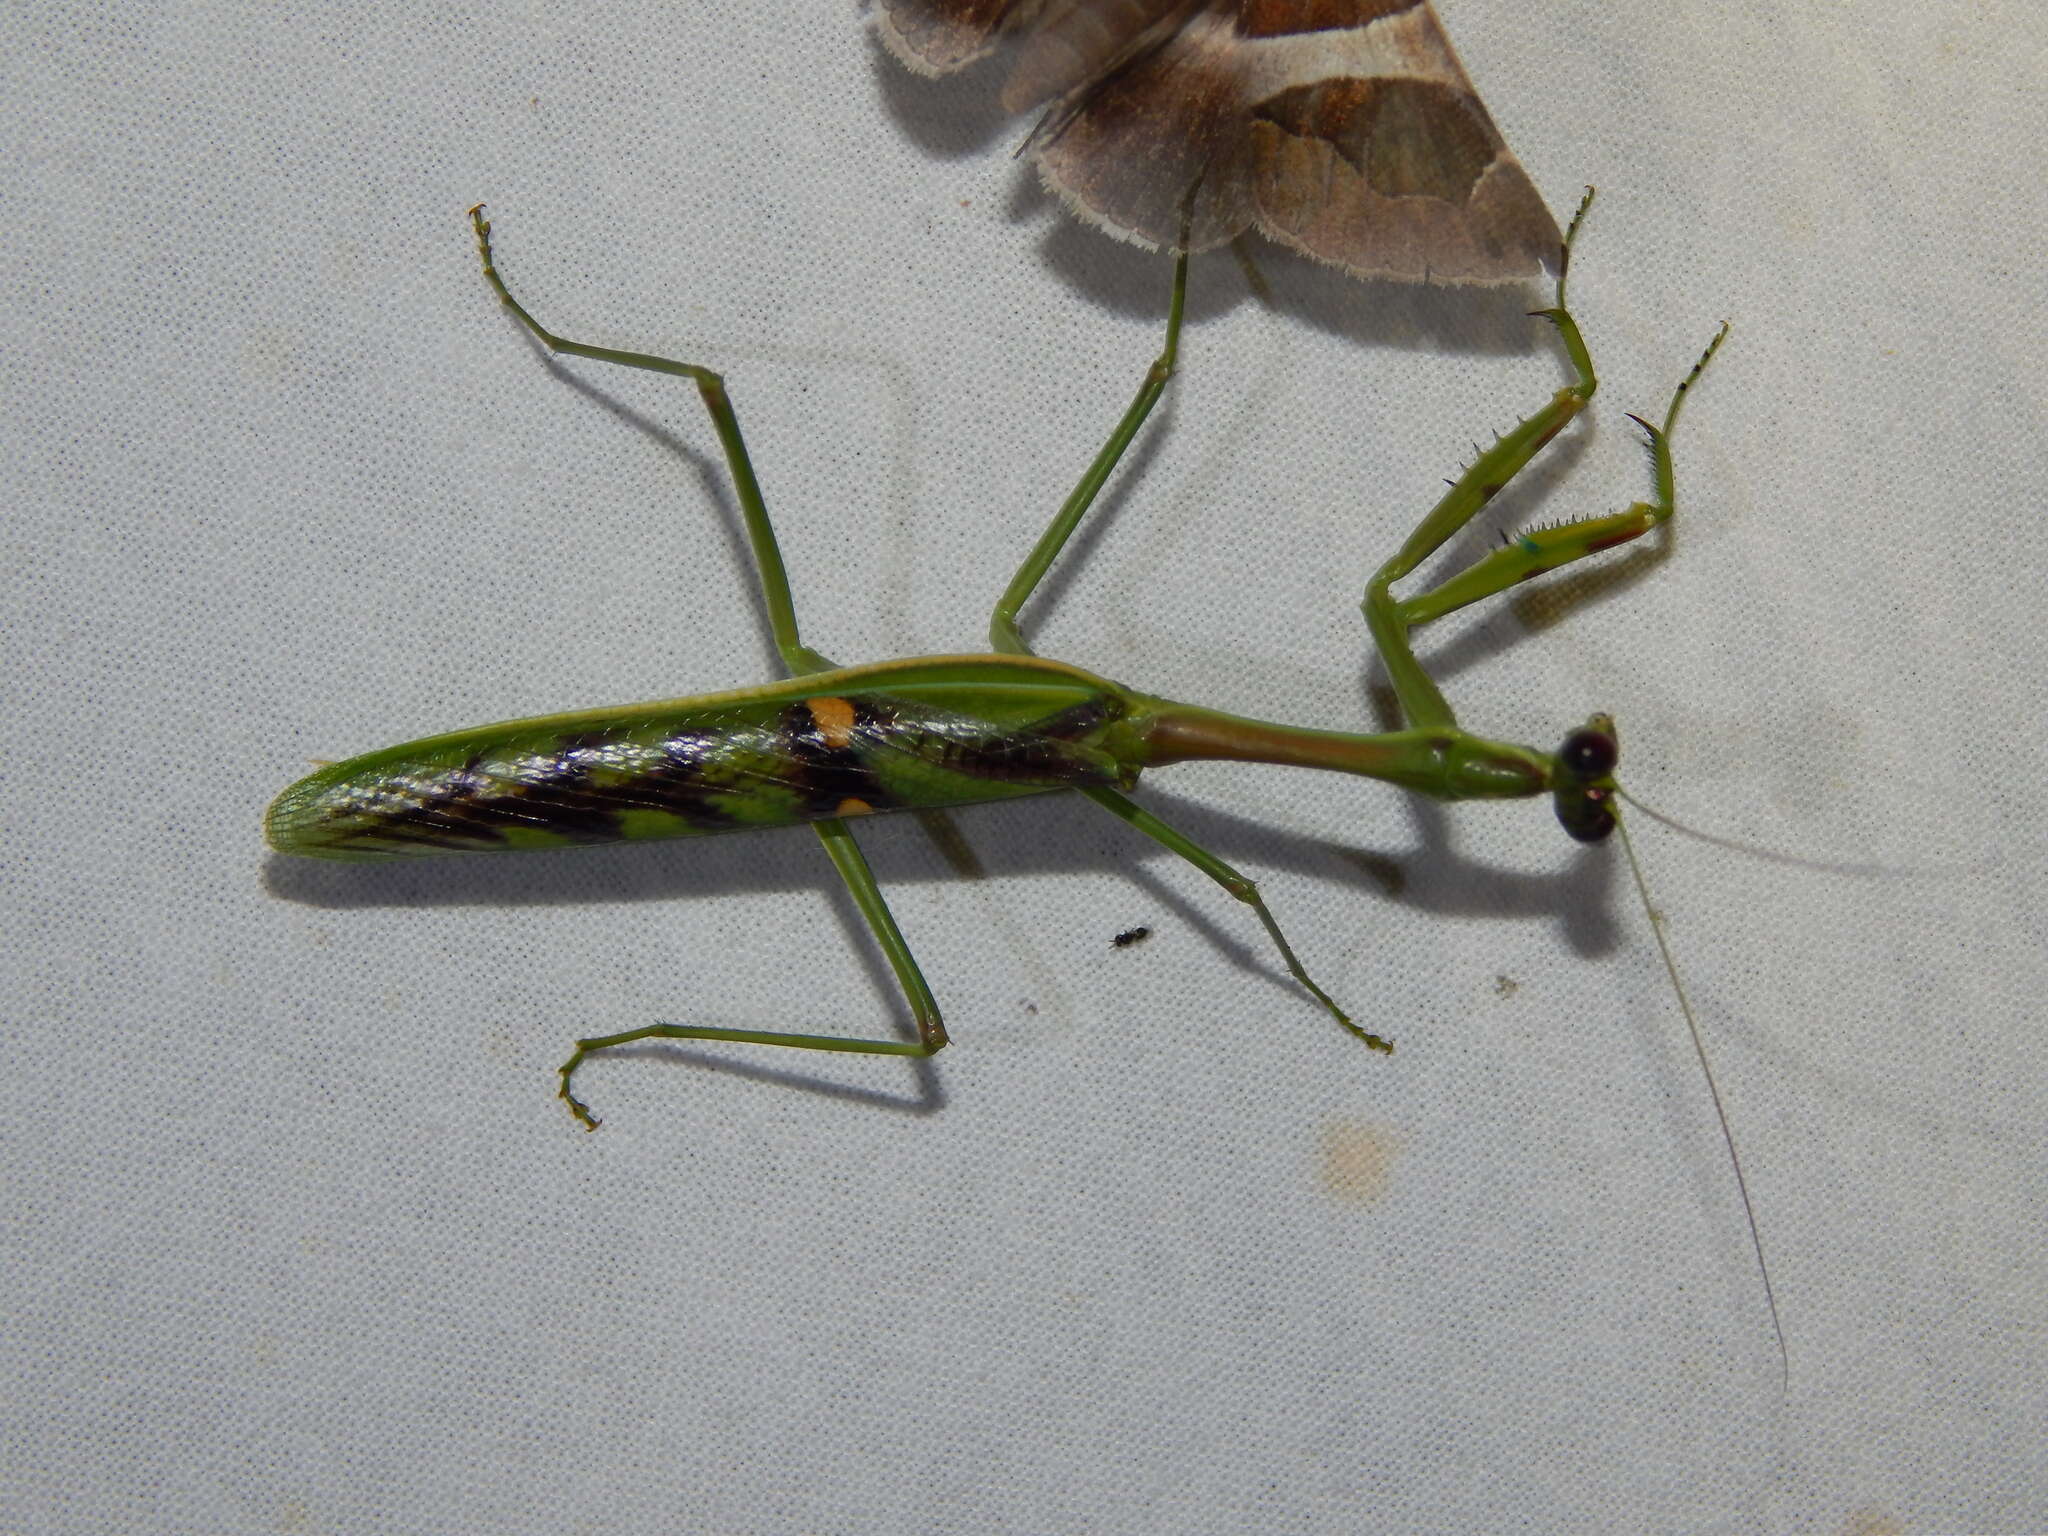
(830, 743)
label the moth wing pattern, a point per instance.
(1395, 168)
(936, 37)
(1066, 43)
(1344, 129)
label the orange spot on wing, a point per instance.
(833, 717)
(851, 806)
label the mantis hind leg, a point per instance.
(1530, 554)
(1003, 633)
(867, 896)
(796, 656)
(800, 659)
(1246, 891)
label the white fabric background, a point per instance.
(297, 1238)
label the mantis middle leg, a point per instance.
(1005, 635)
(800, 659)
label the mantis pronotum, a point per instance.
(830, 744)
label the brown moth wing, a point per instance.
(1124, 150)
(1077, 41)
(1141, 135)
(1384, 161)
(936, 37)
(1345, 129)
(1069, 42)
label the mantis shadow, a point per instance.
(1434, 877)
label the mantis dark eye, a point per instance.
(1588, 753)
(1585, 817)
(1582, 785)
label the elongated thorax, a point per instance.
(925, 733)
(1443, 762)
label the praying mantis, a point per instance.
(830, 744)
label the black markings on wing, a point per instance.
(1042, 753)
(576, 788)
(812, 759)
(821, 754)
(835, 744)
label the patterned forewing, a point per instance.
(721, 763)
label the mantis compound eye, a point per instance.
(1583, 787)
(1587, 818)
(1589, 753)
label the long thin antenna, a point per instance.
(1769, 855)
(1699, 1047)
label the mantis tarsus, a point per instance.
(832, 743)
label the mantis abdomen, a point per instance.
(921, 734)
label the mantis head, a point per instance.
(1582, 781)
